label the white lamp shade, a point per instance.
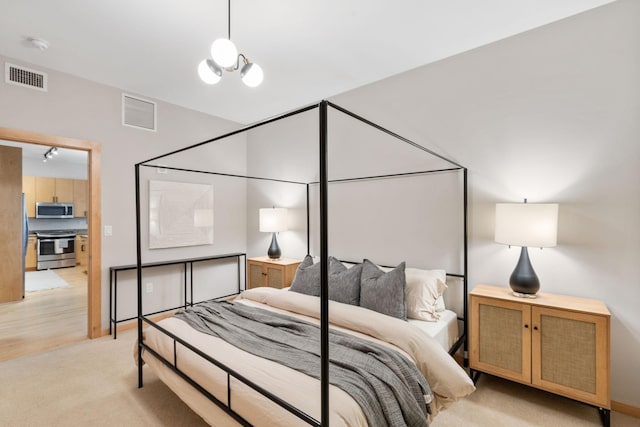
(252, 74)
(224, 52)
(532, 225)
(206, 74)
(273, 220)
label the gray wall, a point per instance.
(78, 108)
(551, 115)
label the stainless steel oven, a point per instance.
(56, 249)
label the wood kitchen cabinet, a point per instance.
(58, 190)
(31, 260)
(263, 271)
(554, 342)
(80, 197)
(29, 190)
(82, 250)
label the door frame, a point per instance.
(94, 272)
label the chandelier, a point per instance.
(225, 57)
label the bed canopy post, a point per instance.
(465, 284)
(139, 273)
(308, 225)
(324, 272)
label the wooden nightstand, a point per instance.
(263, 271)
(553, 342)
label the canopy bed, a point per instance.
(282, 364)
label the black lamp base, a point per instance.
(523, 280)
(274, 250)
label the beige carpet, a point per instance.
(94, 383)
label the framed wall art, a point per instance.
(180, 214)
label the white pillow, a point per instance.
(440, 302)
(424, 293)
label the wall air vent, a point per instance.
(138, 113)
(22, 76)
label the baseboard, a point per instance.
(623, 408)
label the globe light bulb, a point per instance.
(251, 74)
(208, 73)
(224, 52)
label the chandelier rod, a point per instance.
(229, 19)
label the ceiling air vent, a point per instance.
(138, 113)
(22, 76)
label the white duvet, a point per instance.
(446, 378)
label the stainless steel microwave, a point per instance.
(54, 210)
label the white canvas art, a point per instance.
(180, 214)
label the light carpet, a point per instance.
(94, 383)
(42, 280)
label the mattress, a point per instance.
(444, 331)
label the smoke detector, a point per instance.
(39, 43)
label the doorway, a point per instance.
(94, 269)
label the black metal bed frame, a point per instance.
(324, 257)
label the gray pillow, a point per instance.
(383, 292)
(344, 283)
(307, 278)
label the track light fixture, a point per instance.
(53, 151)
(225, 57)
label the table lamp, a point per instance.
(526, 225)
(273, 220)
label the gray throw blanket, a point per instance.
(389, 388)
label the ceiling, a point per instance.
(309, 50)
(37, 152)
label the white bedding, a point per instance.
(447, 380)
(444, 331)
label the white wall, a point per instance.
(283, 150)
(551, 115)
(383, 220)
(78, 108)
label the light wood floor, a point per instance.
(45, 319)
